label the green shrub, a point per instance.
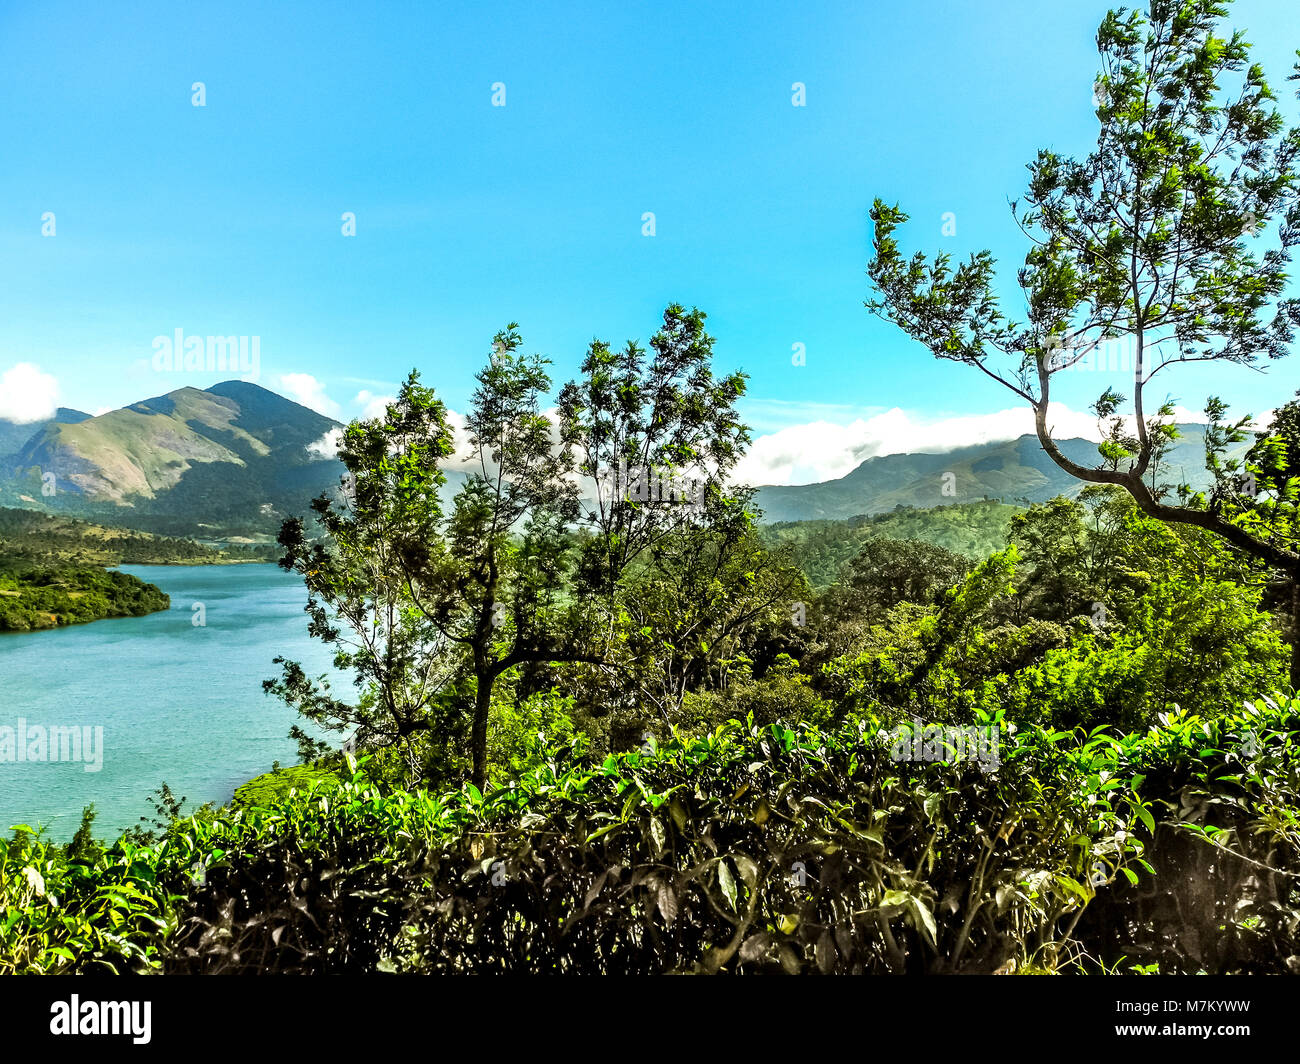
(1225, 847)
(749, 849)
(104, 913)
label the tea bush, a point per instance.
(749, 849)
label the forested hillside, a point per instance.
(821, 548)
(48, 598)
(1017, 472)
(52, 569)
(32, 539)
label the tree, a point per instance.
(498, 584)
(361, 598)
(638, 427)
(698, 601)
(1275, 458)
(1145, 240)
(886, 572)
(1086, 557)
(430, 609)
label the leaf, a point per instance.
(678, 812)
(926, 919)
(633, 798)
(894, 899)
(728, 883)
(594, 890)
(603, 831)
(754, 947)
(748, 870)
(825, 953)
(667, 901)
(931, 804)
(658, 834)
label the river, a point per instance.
(177, 701)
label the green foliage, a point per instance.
(887, 572)
(1201, 646)
(1223, 843)
(93, 912)
(929, 657)
(268, 788)
(523, 728)
(785, 692)
(747, 849)
(704, 604)
(822, 548)
(1147, 240)
(48, 598)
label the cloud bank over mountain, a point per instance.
(27, 394)
(819, 450)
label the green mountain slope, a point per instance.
(14, 434)
(821, 548)
(233, 457)
(1013, 471)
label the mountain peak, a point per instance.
(236, 387)
(218, 454)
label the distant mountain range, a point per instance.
(235, 459)
(1012, 471)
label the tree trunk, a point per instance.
(478, 734)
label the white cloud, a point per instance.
(305, 389)
(327, 446)
(464, 456)
(823, 450)
(27, 394)
(827, 450)
(372, 406)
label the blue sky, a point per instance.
(226, 218)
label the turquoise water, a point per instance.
(177, 702)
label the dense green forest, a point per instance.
(31, 539)
(52, 569)
(821, 548)
(47, 598)
(601, 720)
